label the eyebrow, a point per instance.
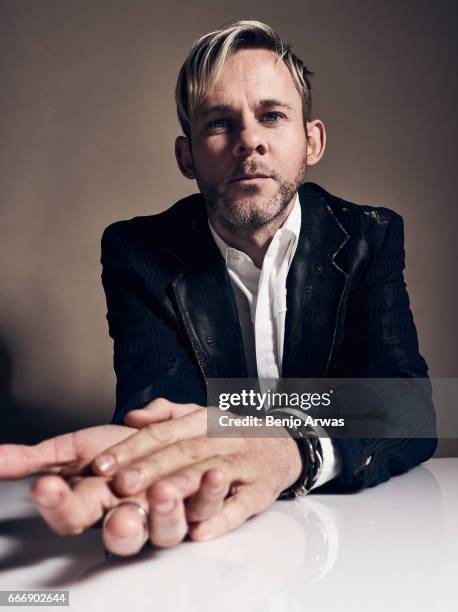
(263, 104)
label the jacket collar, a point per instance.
(314, 289)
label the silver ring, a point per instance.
(133, 506)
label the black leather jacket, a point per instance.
(173, 318)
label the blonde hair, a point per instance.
(205, 62)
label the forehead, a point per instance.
(254, 73)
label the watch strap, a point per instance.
(309, 446)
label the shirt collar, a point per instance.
(291, 227)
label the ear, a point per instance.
(184, 157)
(316, 141)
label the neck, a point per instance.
(253, 242)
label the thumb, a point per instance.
(158, 410)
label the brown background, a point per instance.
(87, 125)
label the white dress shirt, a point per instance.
(260, 296)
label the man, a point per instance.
(259, 275)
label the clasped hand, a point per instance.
(162, 459)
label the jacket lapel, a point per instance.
(315, 289)
(207, 305)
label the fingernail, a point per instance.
(130, 478)
(105, 462)
(50, 500)
(164, 507)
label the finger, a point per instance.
(150, 438)
(20, 460)
(70, 511)
(69, 453)
(141, 474)
(246, 502)
(168, 525)
(158, 410)
(209, 498)
(124, 531)
(188, 480)
(206, 484)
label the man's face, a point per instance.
(250, 123)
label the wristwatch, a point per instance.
(311, 453)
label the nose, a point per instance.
(248, 139)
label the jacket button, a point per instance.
(317, 268)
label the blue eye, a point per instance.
(269, 117)
(217, 123)
(274, 115)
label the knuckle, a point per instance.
(182, 481)
(189, 476)
(228, 463)
(150, 467)
(161, 434)
(213, 492)
(157, 491)
(192, 449)
(126, 449)
(151, 406)
(200, 411)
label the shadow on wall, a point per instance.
(29, 423)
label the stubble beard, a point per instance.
(251, 215)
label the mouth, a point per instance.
(248, 178)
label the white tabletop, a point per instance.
(393, 547)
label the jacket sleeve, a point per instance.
(151, 358)
(381, 341)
